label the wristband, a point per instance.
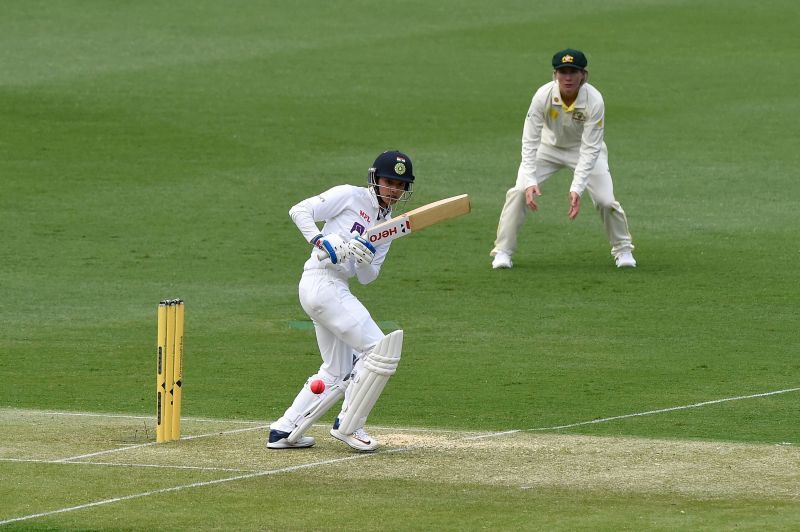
(315, 241)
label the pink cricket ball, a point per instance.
(317, 386)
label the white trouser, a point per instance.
(600, 188)
(345, 330)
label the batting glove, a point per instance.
(331, 246)
(362, 250)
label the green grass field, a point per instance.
(152, 150)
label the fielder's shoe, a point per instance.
(277, 440)
(359, 440)
(625, 260)
(501, 260)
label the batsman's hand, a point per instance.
(531, 193)
(574, 205)
(362, 249)
(332, 246)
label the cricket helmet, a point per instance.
(393, 164)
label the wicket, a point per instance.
(169, 370)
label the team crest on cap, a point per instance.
(567, 59)
(400, 168)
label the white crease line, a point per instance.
(100, 453)
(212, 420)
(211, 434)
(625, 416)
(262, 424)
(355, 457)
(495, 434)
(127, 416)
(83, 414)
(218, 433)
(417, 429)
(151, 443)
(122, 464)
(187, 486)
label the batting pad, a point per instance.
(335, 393)
(379, 365)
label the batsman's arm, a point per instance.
(366, 273)
(326, 246)
(325, 206)
(303, 217)
(383, 233)
(369, 261)
(417, 219)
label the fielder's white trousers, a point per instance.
(549, 160)
(345, 331)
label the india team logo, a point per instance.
(400, 168)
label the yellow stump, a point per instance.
(161, 386)
(169, 371)
(170, 359)
(177, 372)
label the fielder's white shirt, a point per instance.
(555, 132)
(344, 209)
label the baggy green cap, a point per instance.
(570, 58)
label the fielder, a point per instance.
(564, 129)
(357, 358)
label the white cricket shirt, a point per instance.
(571, 135)
(344, 209)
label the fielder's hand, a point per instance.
(530, 197)
(362, 249)
(574, 205)
(332, 246)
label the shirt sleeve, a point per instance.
(591, 145)
(532, 136)
(366, 273)
(308, 212)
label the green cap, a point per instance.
(570, 58)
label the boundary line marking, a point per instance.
(298, 467)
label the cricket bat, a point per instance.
(418, 219)
(414, 221)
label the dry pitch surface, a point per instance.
(231, 451)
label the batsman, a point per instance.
(357, 358)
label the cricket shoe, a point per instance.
(625, 260)
(501, 260)
(277, 440)
(359, 440)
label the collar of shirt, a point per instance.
(382, 212)
(580, 102)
